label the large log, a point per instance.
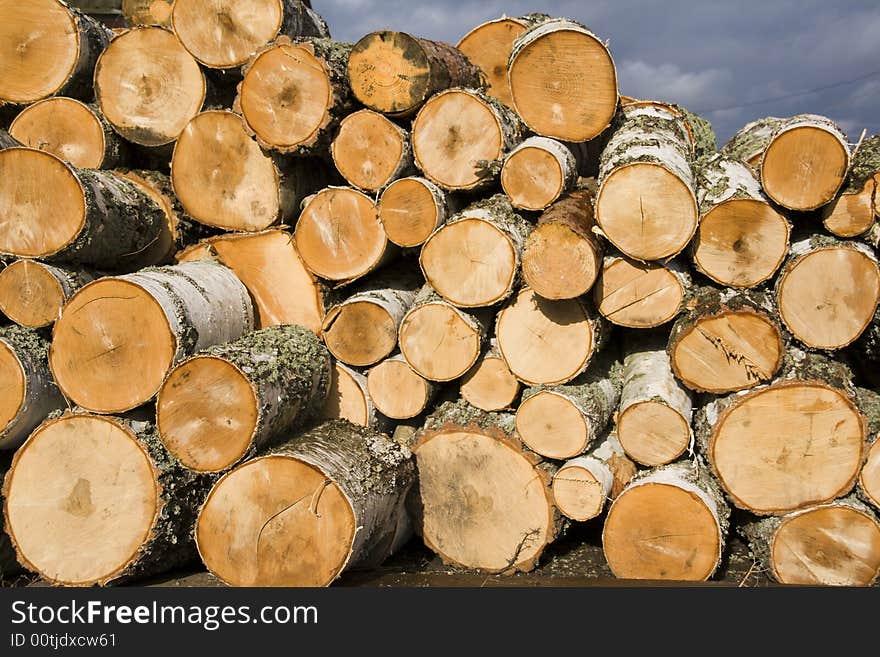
(395, 73)
(47, 48)
(828, 290)
(794, 443)
(61, 214)
(329, 499)
(118, 337)
(834, 544)
(727, 340)
(654, 420)
(412, 208)
(499, 516)
(538, 171)
(563, 80)
(371, 151)
(294, 94)
(32, 292)
(646, 204)
(74, 520)
(742, 239)
(490, 385)
(668, 523)
(473, 260)
(460, 137)
(220, 406)
(148, 86)
(802, 160)
(856, 209)
(223, 178)
(72, 130)
(29, 393)
(223, 34)
(397, 390)
(548, 342)
(562, 256)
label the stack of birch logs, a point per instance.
(260, 283)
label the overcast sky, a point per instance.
(720, 59)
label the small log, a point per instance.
(397, 390)
(220, 406)
(339, 235)
(563, 80)
(223, 34)
(371, 151)
(147, 12)
(669, 523)
(855, 211)
(727, 340)
(548, 342)
(412, 208)
(440, 341)
(104, 528)
(294, 94)
(349, 399)
(460, 137)
(646, 204)
(490, 385)
(827, 291)
(32, 293)
(29, 393)
(72, 130)
(61, 214)
(499, 516)
(395, 73)
(537, 172)
(473, 260)
(562, 256)
(583, 485)
(742, 239)
(788, 445)
(834, 544)
(48, 49)
(118, 337)
(561, 422)
(654, 420)
(330, 499)
(868, 488)
(149, 87)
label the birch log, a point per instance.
(490, 385)
(32, 293)
(537, 172)
(349, 399)
(412, 208)
(397, 390)
(371, 151)
(857, 208)
(147, 12)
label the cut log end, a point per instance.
(851, 215)
(98, 519)
(397, 391)
(490, 385)
(284, 506)
(653, 433)
(369, 150)
(741, 243)
(111, 328)
(578, 492)
(410, 211)
(30, 295)
(207, 413)
(360, 333)
(439, 342)
(558, 263)
(552, 426)
(869, 479)
(147, 12)
(347, 398)
(63, 127)
(488, 46)
(638, 294)
(646, 211)
(532, 178)
(13, 385)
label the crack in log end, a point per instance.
(753, 371)
(511, 566)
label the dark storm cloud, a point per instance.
(724, 59)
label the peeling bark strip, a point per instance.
(461, 136)
(329, 499)
(294, 94)
(473, 260)
(49, 49)
(145, 323)
(56, 212)
(855, 210)
(562, 256)
(106, 529)
(537, 172)
(582, 485)
(742, 239)
(395, 73)
(646, 204)
(805, 427)
(834, 544)
(499, 516)
(563, 80)
(32, 293)
(654, 420)
(220, 406)
(71, 130)
(668, 523)
(30, 393)
(827, 291)
(727, 340)
(370, 151)
(223, 34)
